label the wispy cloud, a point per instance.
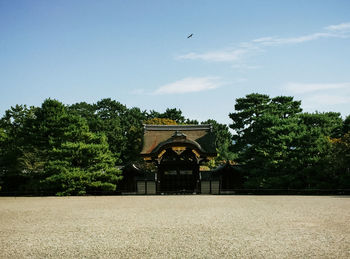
(218, 56)
(236, 55)
(342, 27)
(242, 66)
(326, 99)
(138, 91)
(341, 30)
(274, 41)
(189, 85)
(301, 88)
(318, 96)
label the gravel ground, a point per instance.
(181, 226)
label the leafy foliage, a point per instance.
(50, 147)
(74, 150)
(224, 143)
(339, 160)
(282, 147)
(172, 114)
(160, 121)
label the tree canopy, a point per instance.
(280, 146)
(75, 149)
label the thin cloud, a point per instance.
(318, 96)
(244, 66)
(332, 31)
(274, 41)
(217, 56)
(189, 85)
(341, 30)
(326, 99)
(302, 88)
(339, 27)
(138, 91)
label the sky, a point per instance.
(138, 53)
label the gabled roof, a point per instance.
(200, 137)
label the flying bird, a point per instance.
(189, 36)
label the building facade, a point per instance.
(173, 155)
(177, 151)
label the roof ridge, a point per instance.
(178, 127)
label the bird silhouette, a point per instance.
(189, 36)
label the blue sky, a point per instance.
(137, 53)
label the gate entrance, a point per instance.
(178, 173)
(177, 151)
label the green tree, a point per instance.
(88, 112)
(312, 147)
(14, 147)
(85, 165)
(346, 125)
(251, 113)
(280, 146)
(172, 114)
(50, 149)
(223, 143)
(132, 124)
(191, 122)
(160, 121)
(339, 160)
(123, 128)
(79, 161)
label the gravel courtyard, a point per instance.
(195, 226)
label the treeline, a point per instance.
(281, 147)
(76, 149)
(59, 149)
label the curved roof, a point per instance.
(158, 137)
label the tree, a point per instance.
(223, 142)
(172, 114)
(109, 113)
(14, 147)
(3, 138)
(132, 124)
(191, 122)
(83, 166)
(73, 150)
(88, 112)
(339, 160)
(50, 149)
(253, 115)
(346, 125)
(79, 161)
(160, 121)
(123, 128)
(279, 145)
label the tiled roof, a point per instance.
(199, 136)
